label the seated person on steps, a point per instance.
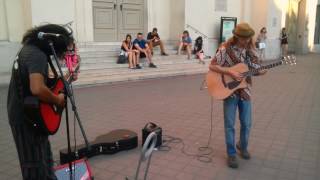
(198, 50)
(141, 45)
(154, 40)
(185, 43)
(130, 53)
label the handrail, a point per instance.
(196, 31)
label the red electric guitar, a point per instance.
(45, 118)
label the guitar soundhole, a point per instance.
(233, 84)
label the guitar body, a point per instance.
(51, 114)
(221, 86)
(45, 118)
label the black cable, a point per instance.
(204, 152)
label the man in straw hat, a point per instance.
(238, 49)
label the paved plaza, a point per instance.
(284, 141)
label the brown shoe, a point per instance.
(243, 153)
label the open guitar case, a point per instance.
(110, 143)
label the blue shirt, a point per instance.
(142, 43)
(187, 40)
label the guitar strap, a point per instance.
(236, 60)
(16, 73)
(231, 54)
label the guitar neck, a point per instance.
(269, 66)
(69, 76)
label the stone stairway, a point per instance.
(98, 65)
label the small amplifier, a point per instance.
(152, 127)
(80, 169)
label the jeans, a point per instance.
(230, 106)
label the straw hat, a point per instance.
(243, 30)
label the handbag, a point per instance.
(122, 59)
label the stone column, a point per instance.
(83, 21)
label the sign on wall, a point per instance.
(226, 28)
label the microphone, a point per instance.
(42, 35)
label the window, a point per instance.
(317, 30)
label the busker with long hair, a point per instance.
(239, 49)
(29, 78)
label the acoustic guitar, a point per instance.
(44, 117)
(221, 86)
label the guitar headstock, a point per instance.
(289, 60)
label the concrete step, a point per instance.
(105, 54)
(123, 70)
(101, 60)
(139, 75)
(98, 64)
(158, 62)
(103, 48)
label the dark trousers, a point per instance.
(34, 153)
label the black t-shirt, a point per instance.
(151, 36)
(284, 38)
(31, 60)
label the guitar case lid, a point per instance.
(115, 135)
(110, 143)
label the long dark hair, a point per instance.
(186, 32)
(199, 41)
(60, 43)
(264, 28)
(128, 35)
(198, 44)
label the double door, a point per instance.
(113, 19)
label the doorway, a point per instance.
(302, 29)
(113, 19)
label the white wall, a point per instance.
(168, 16)
(159, 16)
(311, 23)
(3, 22)
(201, 15)
(274, 23)
(48, 11)
(62, 12)
(83, 25)
(177, 20)
(316, 47)
(17, 14)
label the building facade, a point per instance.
(108, 21)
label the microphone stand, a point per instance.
(70, 96)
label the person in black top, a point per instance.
(29, 77)
(154, 40)
(284, 42)
(198, 50)
(126, 49)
